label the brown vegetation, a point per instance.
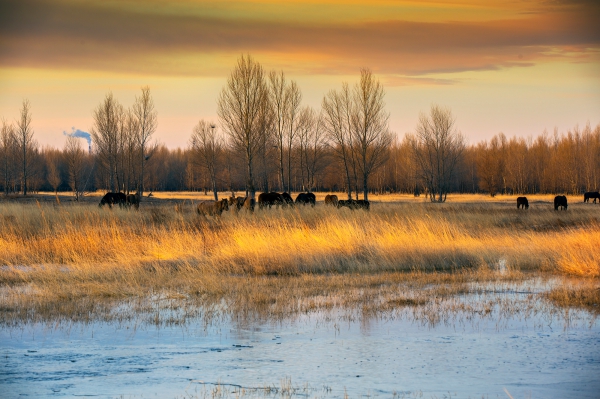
(60, 260)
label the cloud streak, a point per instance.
(91, 36)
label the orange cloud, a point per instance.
(131, 38)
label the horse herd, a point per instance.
(560, 201)
(268, 200)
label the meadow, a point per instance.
(62, 260)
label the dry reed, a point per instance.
(60, 259)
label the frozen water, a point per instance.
(536, 357)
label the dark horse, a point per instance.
(306, 198)
(560, 201)
(522, 202)
(270, 199)
(287, 199)
(331, 199)
(132, 200)
(354, 204)
(111, 199)
(212, 208)
(592, 194)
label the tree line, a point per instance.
(266, 140)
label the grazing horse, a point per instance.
(331, 200)
(269, 199)
(522, 202)
(287, 199)
(212, 208)
(306, 198)
(111, 199)
(249, 204)
(132, 199)
(560, 201)
(236, 203)
(354, 204)
(592, 194)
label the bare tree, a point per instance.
(491, 165)
(147, 122)
(295, 98)
(105, 134)
(129, 137)
(267, 142)
(25, 142)
(74, 157)
(437, 147)
(8, 147)
(370, 130)
(285, 99)
(312, 146)
(239, 109)
(337, 109)
(54, 177)
(280, 103)
(207, 147)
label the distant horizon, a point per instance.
(517, 68)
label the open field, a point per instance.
(77, 260)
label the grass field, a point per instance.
(61, 257)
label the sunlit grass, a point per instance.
(60, 257)
(392, 237)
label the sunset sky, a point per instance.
(516, 67)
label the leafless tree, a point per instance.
(437, 147)
(8, 148)
(74, 157)
(267, 141)
(239, 109)
(105, 133)
(491, 164)
(312, 146)
(129, 142)
(279, 101)
(147, 122)
(25, 142)
(337, 111)
(370, 128)
(54, 177)
(295, 98)
(207, 147)
(285, 99)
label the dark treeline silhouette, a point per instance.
(265, 140)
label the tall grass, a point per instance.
(392, 237)
(61, 259)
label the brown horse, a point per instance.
(236, 202)
(522, 202)
(354, 204)
(212, 208)
(269, 199)
(249, 204)
(287, 199)
(591, 195)
(331, 200)
(132, 200)
(560, 201)
(306, 198)
(111, 199)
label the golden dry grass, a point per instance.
(392, 237)
(60, 259)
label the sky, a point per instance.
(517, 67)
